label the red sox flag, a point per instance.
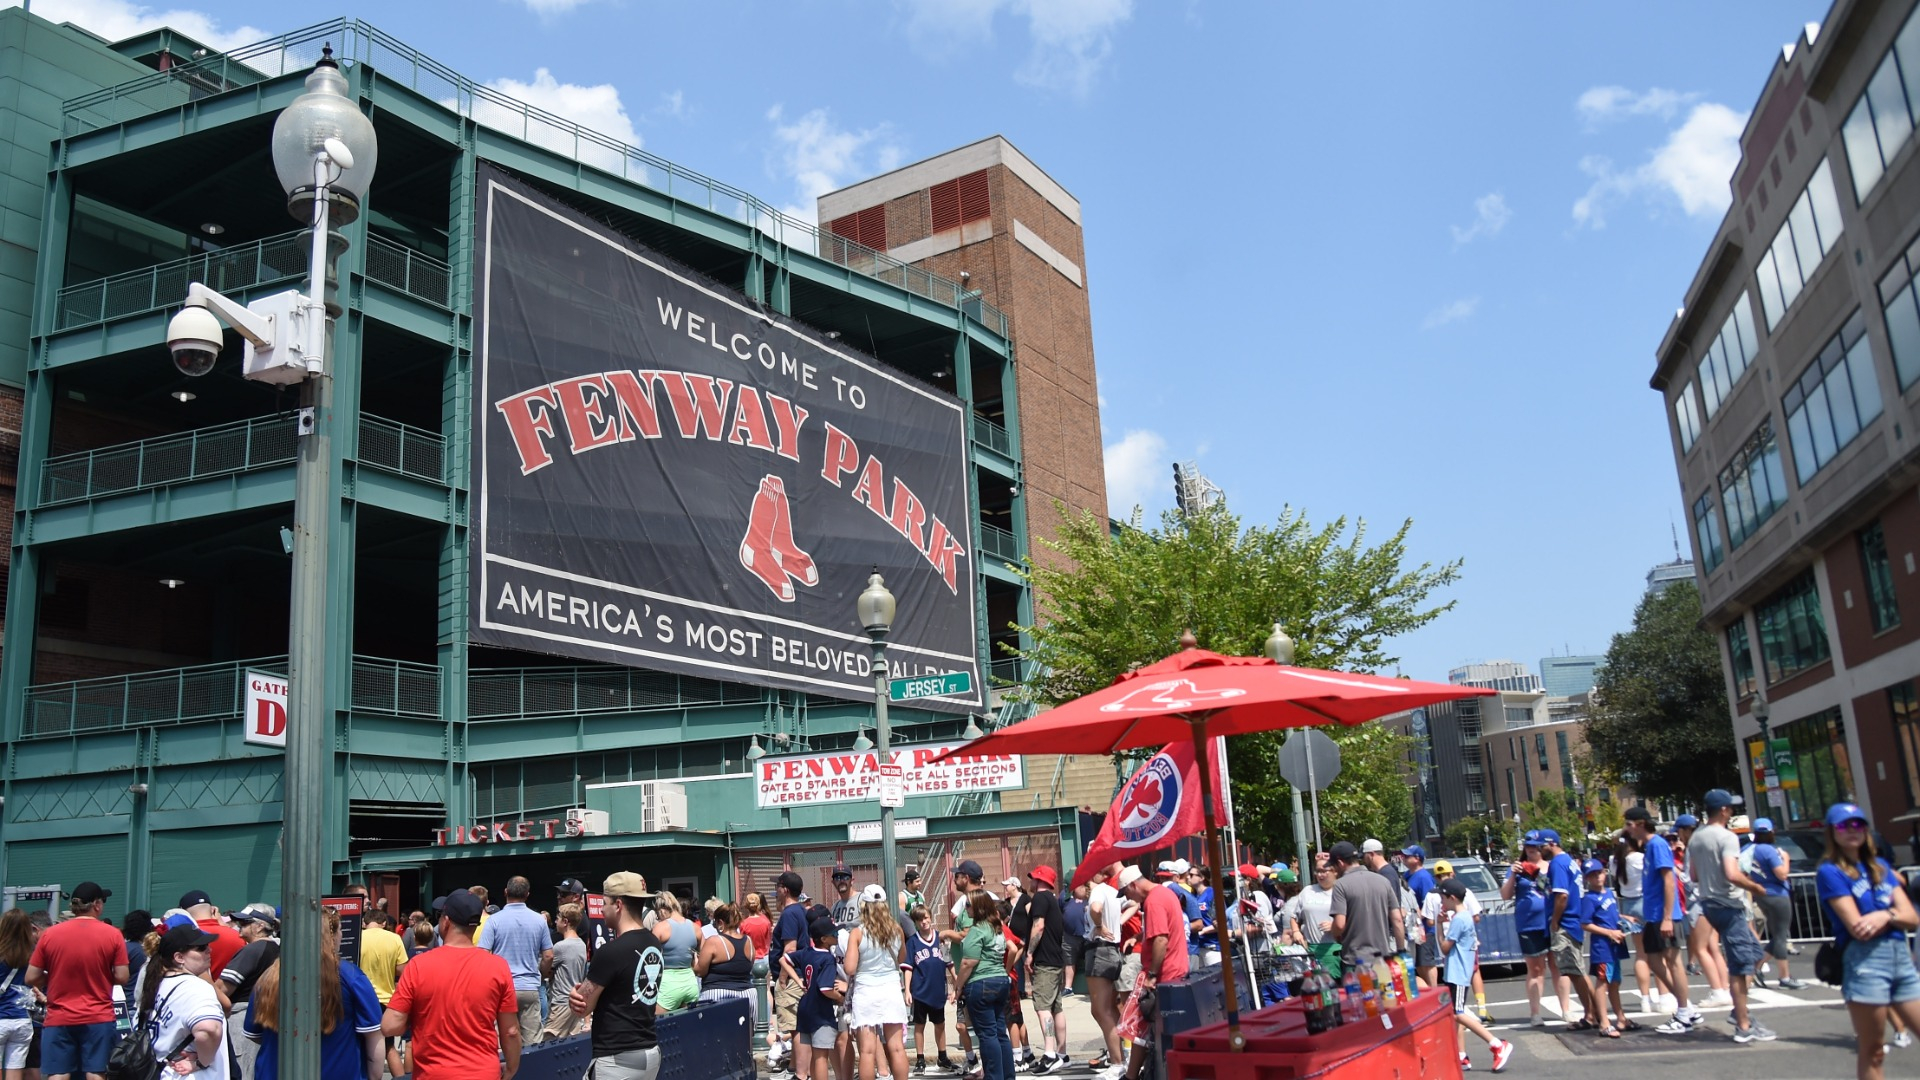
(1159, 803)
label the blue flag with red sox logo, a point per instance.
(1159, 803)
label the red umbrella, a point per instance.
(1199, 695)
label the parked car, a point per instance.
(1499, 935)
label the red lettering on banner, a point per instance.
(842, 457)
(749, 417)
(588, 425)
(636, 411)
(500, 833)
(269, 718)
(942, 550)
(529, 415)
(699, 401)
(872, 488)
(909, 516)
(787, 418)
(523, 830)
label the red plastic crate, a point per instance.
(1417, 1040)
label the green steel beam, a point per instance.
(191, 118)
(401, 494)
(156, 506)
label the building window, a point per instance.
(1793, 637)
(1727, 356)
(1753, 486)
(1810, 231)
(1540, 748)
(1706, 528)
(1687, 415)
(1566, 760)
(1513, 797)
(1905, 707)
(1822, 770)
(1882, 604)
(1900, 302)
(1741, 650)
(1882, 120)
(1833, 400)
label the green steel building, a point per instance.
(148, 574)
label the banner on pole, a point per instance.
(1159, 803)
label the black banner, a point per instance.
(671, 477)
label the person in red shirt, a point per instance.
(459, 1002)
(1163, 948)
(226, 940)
(77, 963)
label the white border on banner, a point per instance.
(487, 559)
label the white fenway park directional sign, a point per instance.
(855, 775)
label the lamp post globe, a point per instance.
(875, 606)
(324, 113)
(1280, 646)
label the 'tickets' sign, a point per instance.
(506, 832)
(266, 705)
(854, 775)
(670, 476)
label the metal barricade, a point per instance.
(706, 1042)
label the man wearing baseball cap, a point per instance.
(1366, 916)
(77, 963)
(259, 927)
(789, 933)
(226, 942)
(458, 1002)
(1659, 908)
(622, 984)
(1713, 859)
(1046, 962)
(968, 878)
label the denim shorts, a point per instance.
(1534, 943)
(76, 1048)
(1877, 972)
(1736, 937)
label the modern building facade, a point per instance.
(1565, 676)
(1495, 675)
(1665, 574)
(1789, 379)
(148, 577)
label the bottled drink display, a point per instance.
(1352, 1008)
(1322, 999)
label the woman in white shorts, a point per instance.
(877, 1005)
(17, 934)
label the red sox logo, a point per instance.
(768, 550)
(1168, 695)
(1149, 803)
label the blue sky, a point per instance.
(1408, 263)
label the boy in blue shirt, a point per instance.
(1460, 945)
(1600, 918)
(815, 1026)
(927, 984)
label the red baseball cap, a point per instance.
(1248, 870)
(1045, 875)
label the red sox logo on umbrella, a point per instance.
(1168, 695)
(1149, 804)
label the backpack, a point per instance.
(133, 1058)
(1410, 915)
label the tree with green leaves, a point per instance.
(1659, 721)
(1116, 599)
(1471, 835)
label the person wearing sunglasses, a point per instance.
(1871, 918)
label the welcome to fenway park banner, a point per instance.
(671, 477)
(854, 775)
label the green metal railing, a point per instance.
(992, 436)
(397, 447)
(1011, 669)
(402, 65)
(400, 267)
(168, 459)
(212, 692)
(263, 262)
(999, 543)
(512, 693)
(226, 449)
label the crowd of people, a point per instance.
(459, 991)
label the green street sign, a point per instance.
(924, 686)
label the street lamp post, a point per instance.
(875, 608)
(1280, 651)
(1763, 712)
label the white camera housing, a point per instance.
(269, 325)
(195, 338)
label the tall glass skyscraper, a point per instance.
(1565, 676)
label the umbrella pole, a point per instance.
(1236, 1042)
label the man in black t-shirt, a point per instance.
(621, 987)
(259, 928)
(1046, 965)
(789, 933)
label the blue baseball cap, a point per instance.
(1549, 836)
(1414, 851)
(1843, 812)
(1532, 839)
(1686, 821)
(1593, 866)
(1762, 824)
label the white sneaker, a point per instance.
(1718, 998)
(1902, 1039)
(1112, 1072)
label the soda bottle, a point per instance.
(1369, 990)
(1323, 1004)
(1352, 1008)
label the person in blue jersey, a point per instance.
(1771, 867)
(1525, 886)
(927, 970)
(1659, 909)
(1569, 941)
(1872, 920)
(1459, 947)
(1600, 918)
(816, 1028)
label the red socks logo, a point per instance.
(768, 549)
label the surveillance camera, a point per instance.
(195, 339)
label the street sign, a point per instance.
(868, 832)
(893, 786)
(929, 686)
(1295, 767)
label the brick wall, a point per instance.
(1846, 577)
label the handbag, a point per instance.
(1827, 966)
(132, 1057)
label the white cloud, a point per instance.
(673, 103)
(1136, 466)
(1454, 312)
(1693, 166)
(549, 8)
(1071, 39)
(1490, 215)
(595, 108)
(1604, 103)
(819, 156)
(119, 19)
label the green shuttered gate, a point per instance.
(235, 864)
(70, 861)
